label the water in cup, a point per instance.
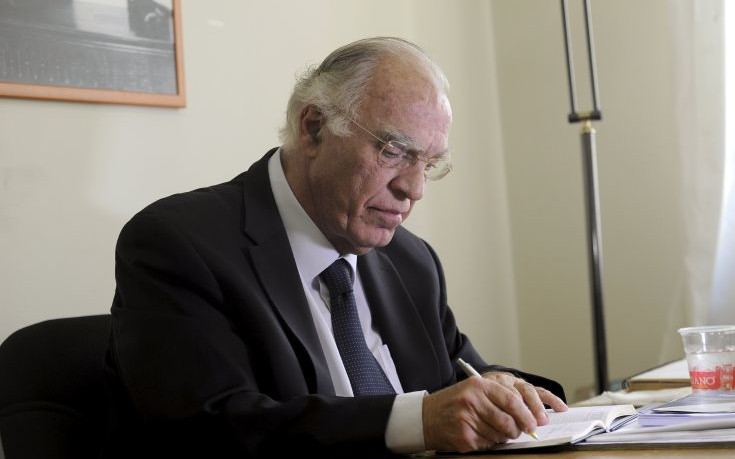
(710, 355)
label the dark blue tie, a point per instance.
(366, 376)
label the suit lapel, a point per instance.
(274, 264)
(399, 323)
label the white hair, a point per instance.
(338, 84)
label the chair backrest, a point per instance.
(52, 393)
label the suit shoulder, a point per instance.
(207, 207)
(223, 194)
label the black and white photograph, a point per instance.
(54, 48)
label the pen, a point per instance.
(467, 368)
(470, 371)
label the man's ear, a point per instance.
(311, 123)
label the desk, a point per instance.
(686, 453)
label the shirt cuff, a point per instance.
(405, 431)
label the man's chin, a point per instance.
(381, 238)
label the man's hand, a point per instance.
(479, 412)
(534, 397)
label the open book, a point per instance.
(574, 425)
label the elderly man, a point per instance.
(288, 311)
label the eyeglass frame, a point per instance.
(409, 158)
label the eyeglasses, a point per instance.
(398, 155)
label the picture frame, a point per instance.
(99, 51)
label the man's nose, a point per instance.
(410, 182)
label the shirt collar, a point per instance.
(312, 251)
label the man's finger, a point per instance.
(506, 411)
(552, 400)
(532, 398)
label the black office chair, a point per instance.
(52, 396)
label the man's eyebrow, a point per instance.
(389, 134)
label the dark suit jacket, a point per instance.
(213, 348)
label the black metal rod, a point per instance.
(591, 58)
(594, 232)
(570, 66)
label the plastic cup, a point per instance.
(710, 353)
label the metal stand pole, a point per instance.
(594, 231)
(589, 162)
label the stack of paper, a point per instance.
(699, 418)
(690, 433)
(699, 406)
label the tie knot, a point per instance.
(338, 277)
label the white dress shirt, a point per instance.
(313, 254)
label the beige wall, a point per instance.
(639, 185)
(507, 223)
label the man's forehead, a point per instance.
(403, 76)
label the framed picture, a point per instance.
(107, 51)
